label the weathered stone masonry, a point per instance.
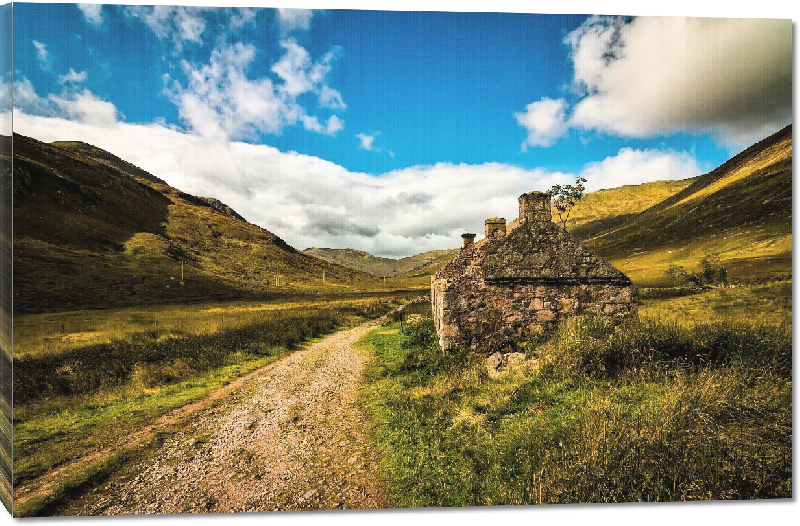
(521, 279)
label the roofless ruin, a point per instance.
(520, 279)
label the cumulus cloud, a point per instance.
(179, 23)
(309, 201)
(367, 142)
(219, 99)
(242, 17)
(290, 19)
(311, 123)
(651, 76)
(544, 121)
(72, 77)
(630, 166)
(42, 53)
(86, 107)
(81, 105)
(92, 13)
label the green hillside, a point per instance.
(741, 212)
(97, 232)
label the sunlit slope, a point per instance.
(88, 234)
(741, 212)
(604, 209)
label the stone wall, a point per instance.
(489, 317)
(520, 283)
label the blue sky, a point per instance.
(389, 131)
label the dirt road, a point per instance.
(288, 438)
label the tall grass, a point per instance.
(647, 411)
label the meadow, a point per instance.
(692, 401)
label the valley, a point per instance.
(137, 305)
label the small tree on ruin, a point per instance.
(565, 197)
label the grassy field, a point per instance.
(59, 332)
(79, 393)
(693, 405)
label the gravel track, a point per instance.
(289, 438)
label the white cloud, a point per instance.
(334, 125)
(366, 141)
(88, 108)
(631, 166)
(81, 106)
(5, 108)
(219, 99)
(312, 202)
(306, 200)
(330, 98)
(179, 23)
(731, 77)
(5, 95)
(92, 13)
(544, 121)
(311, 123)
(653, 76)
(242, 16)
(72, 77)
(41, 53)
(290, 19)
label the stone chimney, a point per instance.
(535, 207)
(495, 227)
(468, 241)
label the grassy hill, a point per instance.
(604, 209)
(93, 231)
(741, 212)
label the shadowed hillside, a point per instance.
(93, 231)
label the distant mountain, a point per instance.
(379, 266)
(93, 231)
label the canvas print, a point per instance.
(280, 259)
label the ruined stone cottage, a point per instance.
(521, 279)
